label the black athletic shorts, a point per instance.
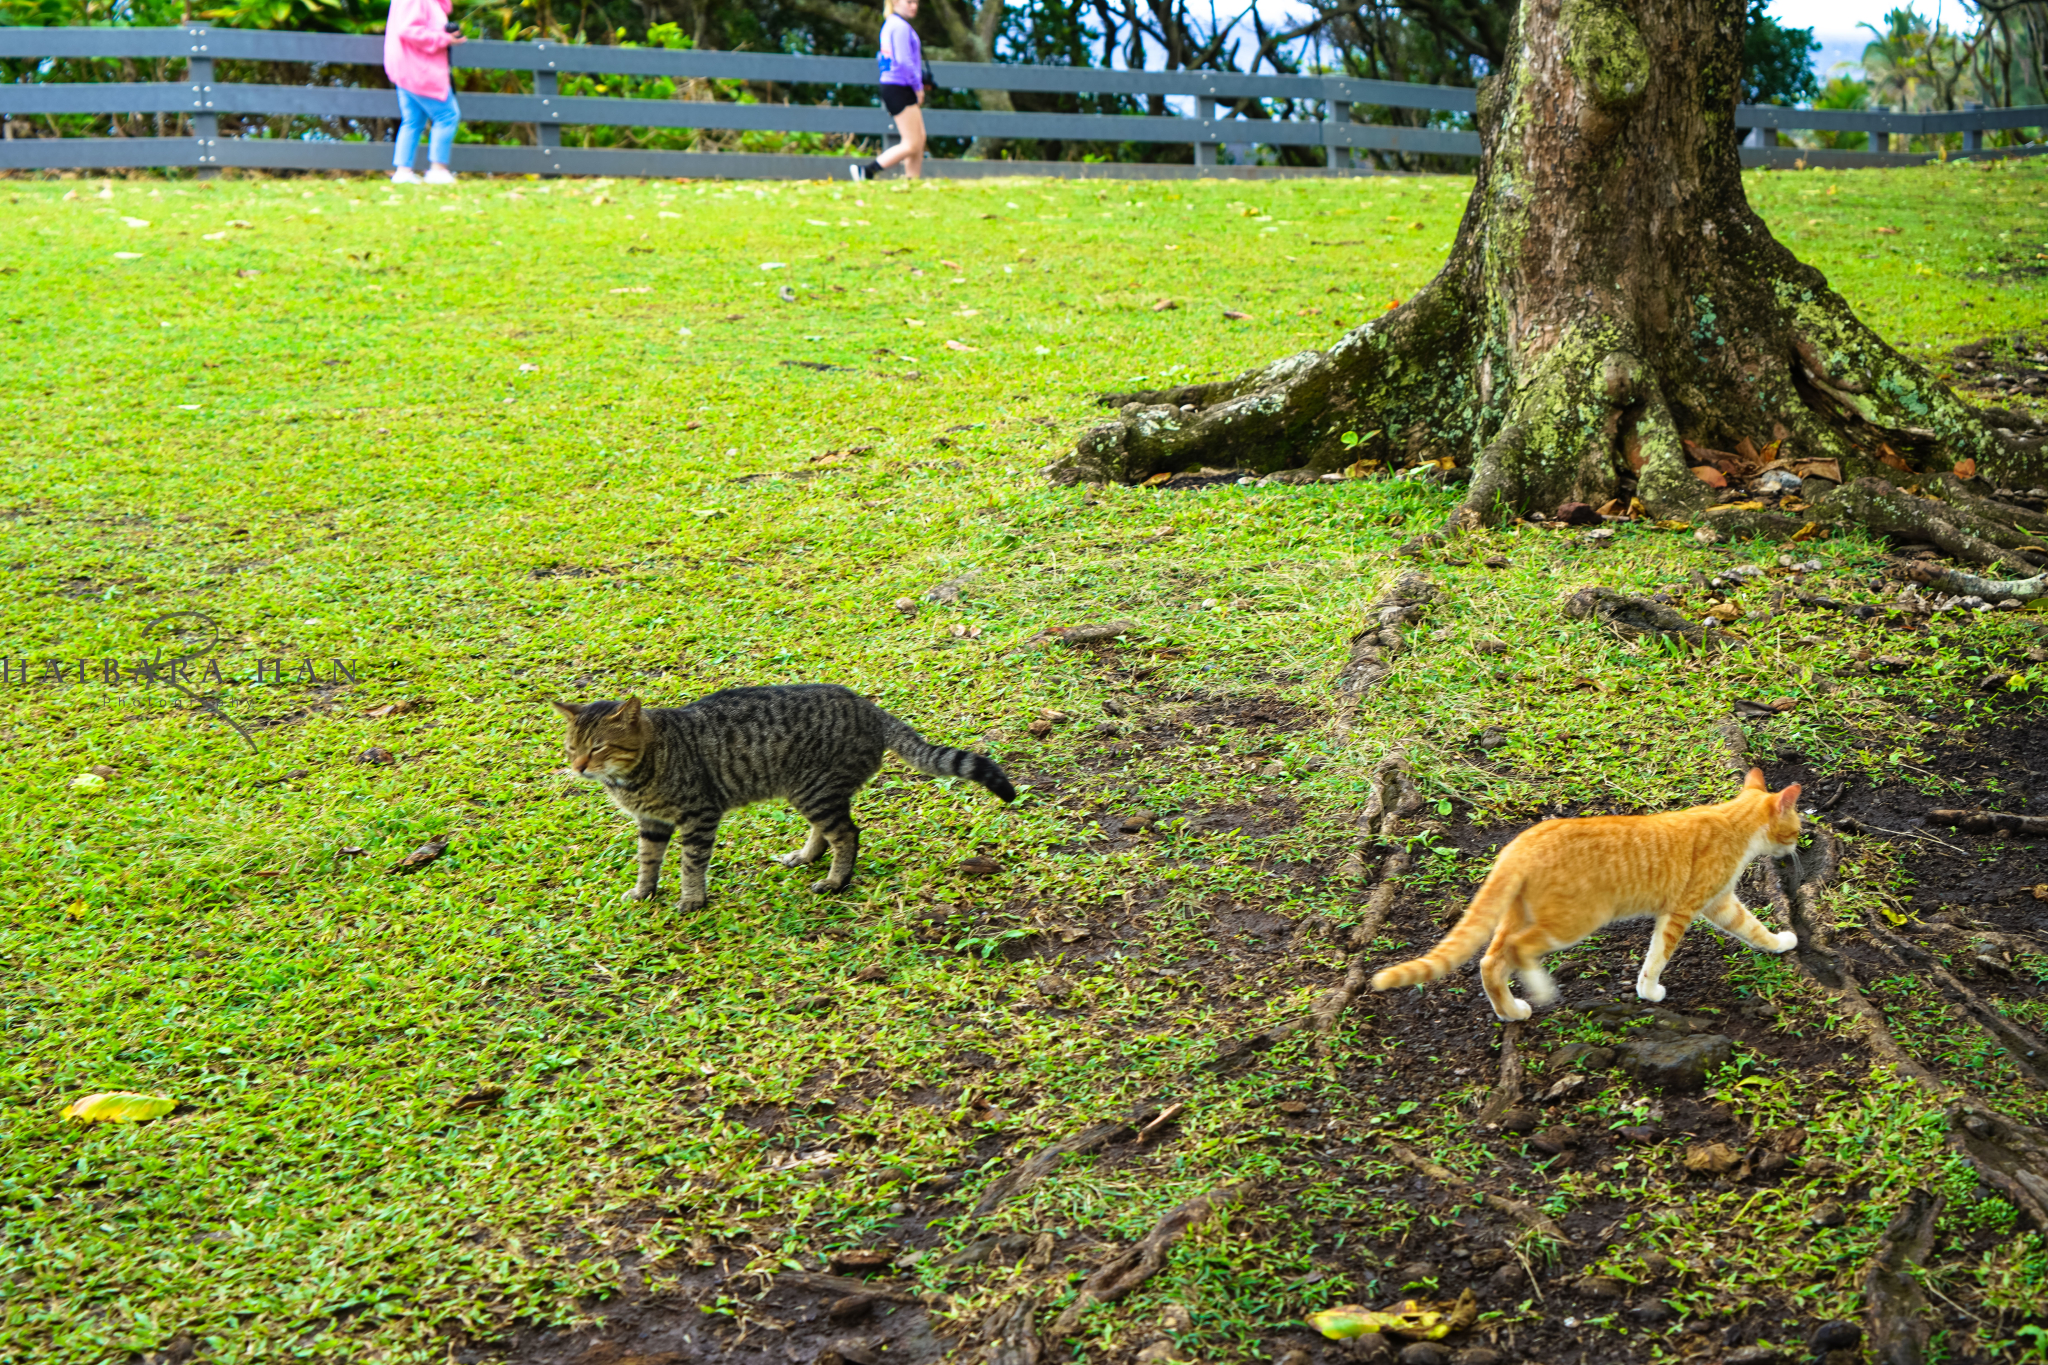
(897, 98)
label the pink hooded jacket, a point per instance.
(416, 47)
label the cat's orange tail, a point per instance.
(1467, 936)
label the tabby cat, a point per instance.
(678, 770)
(1557, 882)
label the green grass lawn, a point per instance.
(522, 440)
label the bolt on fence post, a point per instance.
(1205, 110)
(205, 123)
(547, 133)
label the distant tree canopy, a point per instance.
(1777, 62)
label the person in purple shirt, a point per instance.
(903, 86)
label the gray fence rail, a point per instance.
(202, 100)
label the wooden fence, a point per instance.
(200, 100)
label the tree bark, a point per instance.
(1610, 297)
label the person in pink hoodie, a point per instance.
(416, 41)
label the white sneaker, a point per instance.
(440, 175)
(857, 171)
(405, 175)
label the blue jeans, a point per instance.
(415, 111)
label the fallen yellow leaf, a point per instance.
(119, 1106)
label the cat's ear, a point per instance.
(1755, 780)
(628, 711)
(1787, 798)
(572, 712)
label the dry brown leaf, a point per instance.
(1711, 1158)
(1164, 306)
(1966, 469)
(1710, 476)
(421, 856)
(391, 708)
(1236, 316)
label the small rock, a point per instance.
(1679, 1064)
(1577, 514)
(1552, 1141)
(1777, 481)
(1297, 1356)
(1157, 1353)
(1520, 1120)
(906, 605)
(1828, 1215)
(1492, 739)
(1566, 1055)
(1495, 561)
(864, 1262)
(1371, 1349)
(1565, 1088)
(856, 1351)
(1641, 1132)
(1508, 1280)
(979, 866)
(1753, 1355)
(1601, 1287)
(1478, 1355)
(379, 757)
(1413, 1273)
(1137, 820)
(851, 1308)
(1650, 1310)
(1836, 1336)
(1175, 1317)
(1711, 1158)
(1040, 727)
(891, 1175)
(1293, 1107)
(876, 972)
(1424, 1353)
(1053, 986)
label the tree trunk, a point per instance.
(1612, 313)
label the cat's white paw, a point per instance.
(1785, 942)
(796, 859)
(635, 894)
(1540, 987)
(689, 906)
(1517, 1010)
(825, 885)
(1651, 991)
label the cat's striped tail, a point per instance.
(940, 761)
(1467, 936)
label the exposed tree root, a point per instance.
(1091, 1139)
(1955, 530)
(1393, 799)
(1009, 1335)
(1139, 1264)
(1989, 821)
(1508, 1093)
(842, 1286)
(1377, 643)
(2009, 1155)
(1970, 585)
(1632, 617)
(1899, 1315)
(2027, 1050)
(1528, 1215)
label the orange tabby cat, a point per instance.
(1557, 882)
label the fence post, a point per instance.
(1205, 110)
(205, 123)
(1973, 138)
(1878, 142)
(546, 132)
(1337, 111)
